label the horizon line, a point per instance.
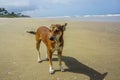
(81, 16)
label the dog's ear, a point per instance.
(64, 26)
(51, 27)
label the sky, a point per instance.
(49, 8)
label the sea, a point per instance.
(100, 18)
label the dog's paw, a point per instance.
(51, 71)
(62, 69)
(39, 60)
(47, 59)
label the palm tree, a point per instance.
(3, 9)
(6, 12)
(0, 10)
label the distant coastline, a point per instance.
(6, 14)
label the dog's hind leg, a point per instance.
(38, 47)
(47, 55)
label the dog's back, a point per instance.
(42, 33)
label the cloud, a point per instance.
(61, 7)
(17, 5)
(28, 5)
(47, 9)
(36, 7)
(60, 1)
(14, 3)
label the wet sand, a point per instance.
(91, 51)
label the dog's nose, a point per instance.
(52, 38)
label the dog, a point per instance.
(53, 39)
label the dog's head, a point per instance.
(56, 31)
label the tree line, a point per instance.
(6, 13)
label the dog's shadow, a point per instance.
(77, 67)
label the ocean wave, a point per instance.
(58, 17)
(106, 15)
(85, 16)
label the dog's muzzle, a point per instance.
(52, 38)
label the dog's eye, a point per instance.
(57, 30)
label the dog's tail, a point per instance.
(31, 32)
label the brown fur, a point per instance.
(53, 39)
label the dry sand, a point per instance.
(91, 51)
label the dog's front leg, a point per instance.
(60, 60)
(51, 70)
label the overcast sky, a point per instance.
(46, 8)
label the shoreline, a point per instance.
(86, 19)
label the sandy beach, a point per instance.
(91, 50)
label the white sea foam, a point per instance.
(106, 15)
(58, 17)
(79, 16)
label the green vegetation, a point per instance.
(5, 13)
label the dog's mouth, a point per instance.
(55, 37)
(52, 38)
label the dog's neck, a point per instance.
(57, 44)
(59, 41)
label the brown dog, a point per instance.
(53, 39)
